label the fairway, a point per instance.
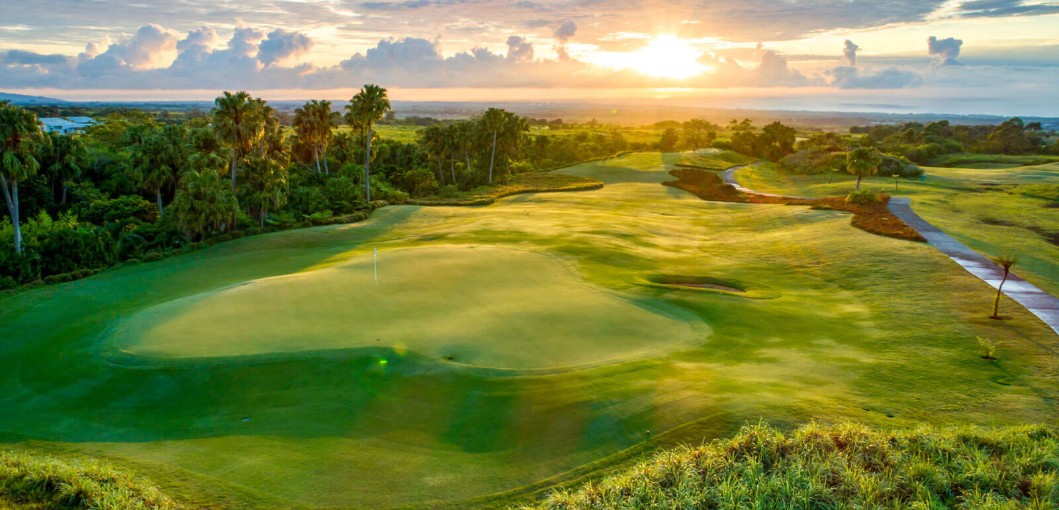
(463, 304)
(507, 349)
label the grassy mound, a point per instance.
(529, 182)
(459, 303)
(841, 466)
(30, 482)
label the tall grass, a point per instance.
(38, 482)
(841, 466)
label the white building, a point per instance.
(65, 126)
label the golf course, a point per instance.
(484, 356)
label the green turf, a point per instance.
(459, 303)
(853, 326)
(994, 211)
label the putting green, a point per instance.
(464, 304)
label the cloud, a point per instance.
(945, 51)
(848, 77)
(1001, 8)
(519, 49)
(562, 34)
(282, 46)
(850, 53)
(565, 30)
(28, 58)
(773, 71)
(149, 48)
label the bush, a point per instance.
(448, 191)
(376, 204)
(898, 165)
(863, 197)
(7, 282)
(153, 257)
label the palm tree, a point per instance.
(462, 138)
(64, 159)
(238, 123)
(435, 141)
(493, 121)
(20, 135)
(1004, 261)
(158, 159)
(365, 109)
(304, 127)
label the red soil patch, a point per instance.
(874, 218)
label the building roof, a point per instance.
(82, 120)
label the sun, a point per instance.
(666, 56)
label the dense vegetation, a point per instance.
(31, 482)
(137, 186)
(926, 144)
(841, 466)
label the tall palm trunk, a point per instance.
(326, 170)
(367, 167)
(441, 171)
(492, 157)
(466, 169)
(158, 194)
(65, 187)
(316, 156)
(234, 156)
(11, 198)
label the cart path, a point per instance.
(1040, 303)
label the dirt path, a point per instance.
(1038, 302)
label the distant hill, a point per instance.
(23, 100)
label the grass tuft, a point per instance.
(840, 466)
(29, 482)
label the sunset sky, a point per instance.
(946, 56)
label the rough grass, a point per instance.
(991, 161)
(873, 217)
(713, 160)
(529, 182)
(840, 466)
(993, 211)
(32, 482)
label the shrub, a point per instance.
(376, 204)
(862, 197)
(448, 191)
(988, 346)
(898, 165)
(153, 257)
(7, 282)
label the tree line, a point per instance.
(137, 186)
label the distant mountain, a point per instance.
(23, 100)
